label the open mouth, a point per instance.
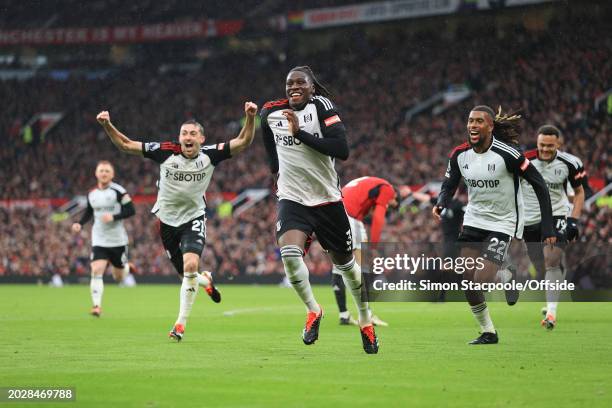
(188, 145)
(295, 95)
(474, 135)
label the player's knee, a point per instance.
(97, 270)
(552, 263)
(292, 258)
(190, 266)
(486, 274)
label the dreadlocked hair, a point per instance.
(508, 127)
(320, 89)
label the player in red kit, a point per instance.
(362, 197)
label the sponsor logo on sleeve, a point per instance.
(152, 146)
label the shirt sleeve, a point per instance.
(329, 118)
(159, 152)
(217, 153)
(575, 174)
(451, 182)
(87, 214)
(333, 141)
(385, 195)
(127, 206)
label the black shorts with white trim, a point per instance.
(188, 237)
(117, 256)
(329, 222)
(492, 245)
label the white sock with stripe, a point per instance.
(297, 273)
(189, 291)
(96, 288)
(553, 275)
(351, 274)
(481, 314)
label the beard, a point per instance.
(482, 140)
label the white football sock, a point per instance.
(126, 270)
(189, 291)
(351, 274)
(481, 314)
(553, 275)
(96, 288)
(297, 272)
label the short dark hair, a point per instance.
(549, 130)
(196, 123)
(484, 108)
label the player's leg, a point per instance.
(121, 267)
(475, 244)
(293, 228)
(96, 285)
(340, 296)
(508, 269)
(291, 245)
(358, 235)
(351, 273)
(477, 302)
(188, 291)
(535, 252)
(334, 232)
(554, 275)
(535, 249)
(171, 239)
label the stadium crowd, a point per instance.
(550, 77)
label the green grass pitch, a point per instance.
(247, 352)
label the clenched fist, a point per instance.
(249, 108)
(103, 118)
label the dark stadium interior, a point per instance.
(552, 63)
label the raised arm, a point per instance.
(247, 133)
(120, 140)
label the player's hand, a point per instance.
(106, 218)
(571, 230)
(250, 109)
(76, 227)
(550, 241)
(103, 118)
(436, 211)
(294, 122)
